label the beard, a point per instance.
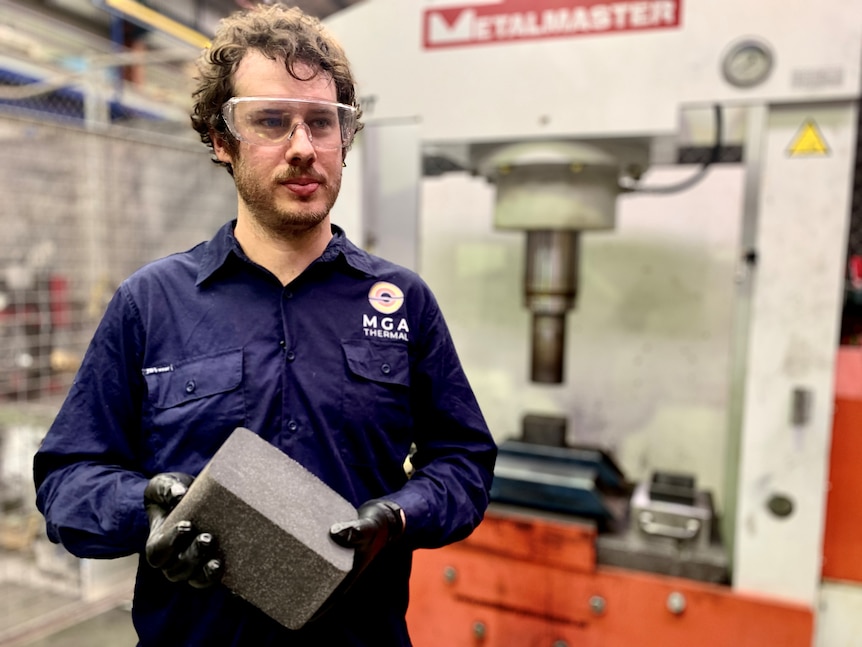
(279, 221)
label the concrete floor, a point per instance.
(112, 628)
(34, 617)
(48, 598)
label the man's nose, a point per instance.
(300, 143)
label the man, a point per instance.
(275, 325)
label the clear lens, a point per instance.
(265, 121)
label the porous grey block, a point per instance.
(271, 518)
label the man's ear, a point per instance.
(220, 148)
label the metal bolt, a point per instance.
(560, 643)
(598, 604)
(449, 574)
(479, 630)
(676, 603)
(780, 505)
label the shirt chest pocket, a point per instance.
(378, 420)
(381, 364)
(192, 406)
(195, 379)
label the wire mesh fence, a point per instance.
(97, 178)
(80, 212)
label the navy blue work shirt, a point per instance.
(342, 369)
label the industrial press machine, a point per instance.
(635, 217)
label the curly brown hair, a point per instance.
(279, 33)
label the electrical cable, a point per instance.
(714, 156)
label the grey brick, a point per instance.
(271, 519)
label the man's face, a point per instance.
(290, 187)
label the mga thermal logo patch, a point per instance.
(385, 297)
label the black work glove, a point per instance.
(379, 523)
(180, 552)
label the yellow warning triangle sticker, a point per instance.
(808, 141)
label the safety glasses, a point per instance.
(272, 121)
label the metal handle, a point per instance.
(651, 527)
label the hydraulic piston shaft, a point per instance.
(550, 290)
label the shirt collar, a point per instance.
(224, 244)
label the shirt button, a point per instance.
(288, 295)
(292, 425)
(190, 386)
(386, 369)
(291, 356)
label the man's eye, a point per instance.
(268, 122)
(322, 123)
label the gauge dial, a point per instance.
(747, 64)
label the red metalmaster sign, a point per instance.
(518, 20)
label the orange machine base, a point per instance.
(525, 580)
(842, 550)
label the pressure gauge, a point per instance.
(748, 63)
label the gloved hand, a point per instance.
(379, 522)
(181, 553)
